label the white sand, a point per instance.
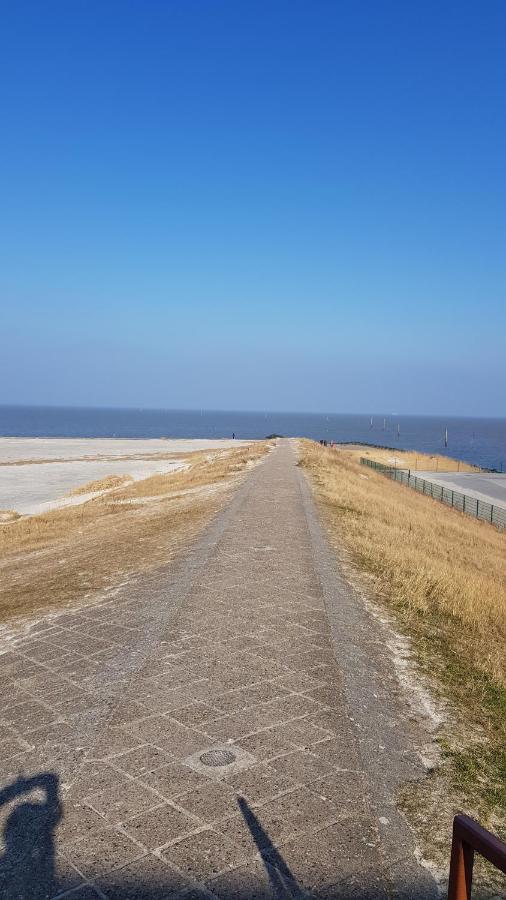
(14, 449)
(33, 488)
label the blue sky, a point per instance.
(265, 205)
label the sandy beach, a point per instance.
(38, 474)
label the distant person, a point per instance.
(233, 435)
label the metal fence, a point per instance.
(480, 509)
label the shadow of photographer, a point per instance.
(27, 865)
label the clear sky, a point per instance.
(254, 205)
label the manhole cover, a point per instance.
(217, 757)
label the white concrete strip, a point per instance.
(489, 487)
(35, 489)
(15, 449)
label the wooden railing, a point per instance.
(470, 838)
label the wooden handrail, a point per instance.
(469, 837)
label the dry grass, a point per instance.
(102, 484)
(8, 515)
(410, 459)
(426, 556)
(69, 554)
(443, 576)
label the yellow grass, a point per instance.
(8, 515)
(102, 484)
(425, 556)
(443, 576)
(66, 555)
(409, 459)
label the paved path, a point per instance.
(486, 486)
(255, 648)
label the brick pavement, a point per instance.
(107, 711)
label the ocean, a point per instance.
(478, 441)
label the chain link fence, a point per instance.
(480, 509)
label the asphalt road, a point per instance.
(483, 486)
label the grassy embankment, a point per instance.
(410, 459)
(68, 555)
(443, 576)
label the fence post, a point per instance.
(461, 869)
(491, 512)
(463, 502)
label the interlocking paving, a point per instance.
(240, 647)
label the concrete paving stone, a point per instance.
(236, 830)
(195, 894)
(173, 781)
(79, 670)
(263, 715)
(268, 743)
(347, 790)
(167, 697)
(261, 783)
(122, 801)
(13, 747)
(79, 643)
(141, 761)
(66, 877)
(148, 878)
(93, 777)
(15, 696)
(167, 733)
(364, 885)
(254, 881)
(118, 634)
(77, 820)
(39, 651)
(13, 665)
(210, 802)
(301, 766)
(102, 851)
(302, 734)
(249, 696)
(63, 662)
(204, 855)
(128, 711)
(161, 826)
(330, 695)
(342, 752)
(335, 721)
(114, 741)
(195, 714)
(298, 683)
(330, 855)
(298, 811)
(86, 892)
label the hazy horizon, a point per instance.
(375, 414)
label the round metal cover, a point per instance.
(217, 758)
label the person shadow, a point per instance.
(283, 882)
(27, 865)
